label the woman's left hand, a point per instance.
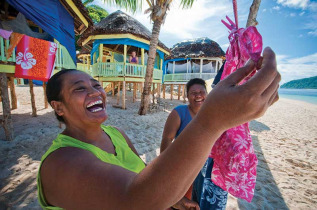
(185, 204)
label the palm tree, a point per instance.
(157, 10)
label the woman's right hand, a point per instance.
(232, 104)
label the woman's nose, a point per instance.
(93, 92)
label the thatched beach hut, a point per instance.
(196, 58)
(111, 41)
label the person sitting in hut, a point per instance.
(133, 58)
(92, 166)
(178, 119)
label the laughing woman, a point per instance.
(178, 119)
(92, 166)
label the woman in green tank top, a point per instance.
(91, 166)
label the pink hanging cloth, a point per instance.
(235, 162)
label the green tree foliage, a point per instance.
(307, 83)
(95, 12)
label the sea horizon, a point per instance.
(306, 95)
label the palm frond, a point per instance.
(132, 5)
(187, 4)
(86, 2)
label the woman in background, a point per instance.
(178, 119)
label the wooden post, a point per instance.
(14, 102)
(183, 94)
(32, 98)
(6, 122)
(163, 91)
(118, 94)
(123, 94)
(179, 92)
(45, 98)
(159, 90)
(172, 88)
(134, 91)
(113, 85)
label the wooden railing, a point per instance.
(62, 60)
(187, 76)
(120, 69)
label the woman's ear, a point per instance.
(57, 106)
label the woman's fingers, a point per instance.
(273, 87)
(265, 76)
(237, 76)
(273, 98)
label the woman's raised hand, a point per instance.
(231, 104)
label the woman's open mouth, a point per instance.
(95, 106)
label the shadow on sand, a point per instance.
(267, 194)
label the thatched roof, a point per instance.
(200, 47)
(120, 23)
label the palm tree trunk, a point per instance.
(145, 98)
(6, 122)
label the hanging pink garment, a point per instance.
(235, 162)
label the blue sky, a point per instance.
(289, 27)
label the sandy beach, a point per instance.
(285, 140)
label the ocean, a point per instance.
(307, 95)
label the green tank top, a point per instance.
(124, 157)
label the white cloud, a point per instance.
(276, 8)
(296, 68)
(301, 4)
(302, 13)
(294, 3)
(313, 33)
(264, 10)
(292, 15)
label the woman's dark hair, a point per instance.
(54, 88)
(194, 82)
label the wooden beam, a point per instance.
(113, 85)
(134, 91)
(159, 90)
(45, 98)
(6, 122)
(118, 94)
(116, 47)
(172, 88)
(14, 102)
(163, 91)
(32, 98)
(123, 94)
(179, 92)
(183, 94)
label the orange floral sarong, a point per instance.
(35, 58)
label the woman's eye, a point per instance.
(97, 86)
(80, 89)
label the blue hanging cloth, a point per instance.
(52, 17)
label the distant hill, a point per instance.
(306, 83)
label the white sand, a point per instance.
(284, 140)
